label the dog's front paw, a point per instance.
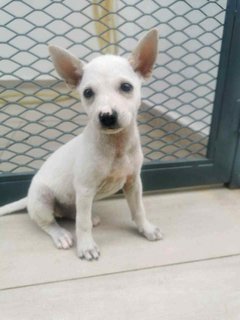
(151, 232)
(87, 249)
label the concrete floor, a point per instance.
(194, 273)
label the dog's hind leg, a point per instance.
(41, 210)
(62, 238)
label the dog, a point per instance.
(105, 158)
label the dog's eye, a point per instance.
(88, 93)
(126, 87)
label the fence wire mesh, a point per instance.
(38, 113)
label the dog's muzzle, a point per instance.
(108, 120)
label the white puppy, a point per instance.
(105, 158)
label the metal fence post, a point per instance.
(231, 116)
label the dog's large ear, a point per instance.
(69, 67)
(144, 55)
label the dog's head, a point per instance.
(109, 86)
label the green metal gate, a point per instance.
(189, 118)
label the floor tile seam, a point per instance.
(169, 265)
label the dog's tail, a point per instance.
(13, 207)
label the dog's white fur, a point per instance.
(100, 161)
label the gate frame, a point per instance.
(222, 165)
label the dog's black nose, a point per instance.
(108, 120)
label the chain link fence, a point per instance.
(38, 113)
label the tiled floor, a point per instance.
(194, 273)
